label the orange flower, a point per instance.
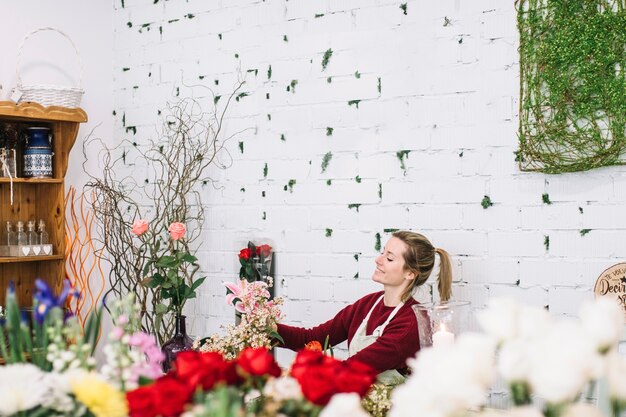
(177, 230)
(313, 345)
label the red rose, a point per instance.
(258, 362)
(141, 402)
(264, 250)
(244, 254)
(170, 396)
(188, 367)
(317, 384)
(355, 376)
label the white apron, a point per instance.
(361, 340)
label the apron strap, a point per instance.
(379, 330)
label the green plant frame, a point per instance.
(572, 114)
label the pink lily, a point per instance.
(234, 297)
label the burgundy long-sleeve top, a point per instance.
(399, 341)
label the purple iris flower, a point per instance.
(45, 299)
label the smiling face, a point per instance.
(390, 265)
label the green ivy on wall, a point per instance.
(572, 84)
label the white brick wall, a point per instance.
(449, 95)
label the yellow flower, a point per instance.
(99, 397)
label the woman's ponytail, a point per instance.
(445, 275)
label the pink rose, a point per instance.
(177, 230)
(139, 227)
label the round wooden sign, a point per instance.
(612, 283)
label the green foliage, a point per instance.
(486, 202)
(216, 99)
(354, 205)
(285, 38)
(293, 86)
(329, 182)
(390, 230)
(290, 185)
(326, 58)
(329, 232)
(357, 74)
(269, 73)
(583, 232)
(326, 160)
(401, 155)
(355, 102)
(265, 169)
(403, 7)
(241, 147)
(282, 137)
(377, 245)
(329, 131)
(546, 242)
(329, 80)
(379, 86)
(241, 95)
(546, 198)
(357, 179)
(572, 84)
(380, 190)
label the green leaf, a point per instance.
(189, 258)
(197, 283)
(275, 335)
(160, 308)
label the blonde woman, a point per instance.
(381, 328)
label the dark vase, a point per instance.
(180, 342)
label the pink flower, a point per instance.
(117, 333)
(139, 227)
(177, 230)
(236, 291)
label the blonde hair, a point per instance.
(419, 258)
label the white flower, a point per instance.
(525, 411)
(499, 319)
(342, 405)
(581, 410)
(603, 321)
(22, 387)
(283, 388)
(616, 376)
(514, 362)
(562, 362)
(447, 380)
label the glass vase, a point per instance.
(441, 322)
(180, 342)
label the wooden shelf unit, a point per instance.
(38, 198)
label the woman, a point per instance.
(381, 328)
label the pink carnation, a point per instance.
(177, 230)
(140, 227)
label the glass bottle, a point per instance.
(22, 240)
(44, 237)
(11, 236)
(31, 235)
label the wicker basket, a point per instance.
(46, 94)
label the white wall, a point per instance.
(449, 94)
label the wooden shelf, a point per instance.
(36, 112)
(38, 198)
(32, 180)
(19, 259)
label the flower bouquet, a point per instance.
(259, 316)
(256, 262)
(208, 384)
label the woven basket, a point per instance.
(46, 94)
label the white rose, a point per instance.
(562, 362)
(513, 361)
(616, 376)
(581, 410)
(283, 388)
(342, 405)
(525, 411)
(603, 321)
(499, 319)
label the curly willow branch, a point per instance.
(175, 167)
(572, 84)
